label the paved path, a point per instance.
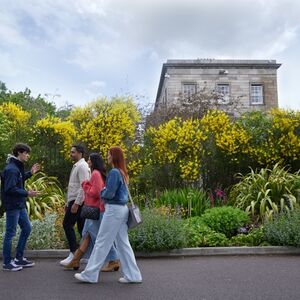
(230, 277)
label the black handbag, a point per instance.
(89, 212)
(134, 216)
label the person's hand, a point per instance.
(74, 208)
(35, 168)
(33, 193)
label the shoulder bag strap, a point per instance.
(129, 195)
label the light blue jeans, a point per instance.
(113, 228)
(91, 227)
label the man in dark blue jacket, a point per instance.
(13, 196)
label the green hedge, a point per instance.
(284, 230)
(225, 219)
(44, 234)
(200, 235)
(255, 237)
(157, 233)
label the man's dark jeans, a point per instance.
(69, 222)
(13, 218)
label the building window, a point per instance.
(189, 89)
(257, 94)
(223, 93)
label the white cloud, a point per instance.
(9, 66)
(9, 31)
(90, 7)
(87, 39)
(284, 40)
(95, 89)
(98, 84)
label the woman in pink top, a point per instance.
(92, 189)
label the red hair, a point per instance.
(118, 161)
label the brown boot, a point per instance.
(75, 262)
(113, 265)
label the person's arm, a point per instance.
(35, 168)
(27, 175)
(93, 187)
(112, 184)
(11, 181)
(83, 174)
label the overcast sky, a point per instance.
(76, 50)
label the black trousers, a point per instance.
(69, 222)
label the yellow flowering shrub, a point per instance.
(262, 137)
(273, 136)
(179, 142)
(229, 137)
(164, 141)
(135, 163)
(18, 121)
(286, 133)
(105, 123)
(60, 133)
(5, 125)
(15, 114)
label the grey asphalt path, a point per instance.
(222, 277)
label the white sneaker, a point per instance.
(67, 260)
(80, 278)
(124, 280)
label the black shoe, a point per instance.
(24, 262)
(12, 267)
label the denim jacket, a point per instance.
(115, 191)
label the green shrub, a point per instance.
(195, 231)
(193, 201)
(52, 196)
(225, 219)
(255, 237)
(215, 239)
(198, 234)
(284, 230)
(268, 192)
(44, 234)
(157, 233)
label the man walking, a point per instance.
(79, 173)
(13, 195)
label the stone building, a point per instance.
(252, 82)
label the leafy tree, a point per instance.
(3, 88)
(37, 106)
(195, 106)
(64, 112)
(5, 135)
(52, 139)
(15, 123)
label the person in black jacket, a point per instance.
(13, 196)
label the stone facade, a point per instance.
(253, 82)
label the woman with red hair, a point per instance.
(114, 225)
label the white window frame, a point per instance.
(225, 97)
(188, 94)
(256, 96)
